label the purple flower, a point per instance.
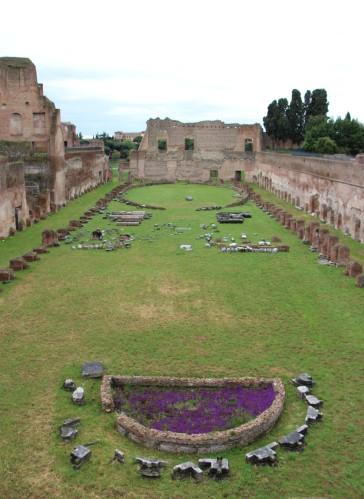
(193, 410)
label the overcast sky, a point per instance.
(112, 65)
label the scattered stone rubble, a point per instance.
(187, 469)
(295, 440)
(232, 217)
(128, 218)
(217, 468)
(68, 430)
(263, 455)
(313, 415)
(6, 275)
(69, 385)
(119, 456)
(150, 468)
(80, 455)
(51, 238)
(78, 396)
(209, 208)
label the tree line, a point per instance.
(306, 124)
(118, 148)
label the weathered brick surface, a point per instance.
(343, 254)
(6, 275)
(360, 281)
(18, 264)
(49, 238)
(31, 256)
(353, 269)
(31, 124)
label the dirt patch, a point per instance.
(151, 311)
(174, 289)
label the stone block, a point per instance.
(333, 253)
(92, 370)
(187, 469)
(6, 275)
(31, 256)
(40, 250)
(287, 221)
(292, 441)
(49, 238)
(80, 455)
(283, 248)
(18, 264)
(343, 255)
(307, 234)
(353, 269)
(304, 379)
(360, 281)
(75, 223)
(300, 233)
(263, 455)
(293, 224)
(218, 468)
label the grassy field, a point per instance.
(156, 310)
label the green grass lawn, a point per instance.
(157, 310)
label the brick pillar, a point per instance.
(353, 269)
(49, 238)
(333, 256)
(343, 255)
(322, 239)
(300, 224)
(360, 281)
(292, 224)
(331, 241)
(314, 235)
(287, 221)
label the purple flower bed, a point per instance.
(193, 410)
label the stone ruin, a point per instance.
(197, 152)
(332, 189)
(42, 163)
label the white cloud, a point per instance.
(194, 58)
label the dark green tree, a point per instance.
(295, 116)
(318, 104)
(138, 139)
(316, 128)
(276, 121)
(325, 145)
(349, 135)
(270, 121)
(283, 124)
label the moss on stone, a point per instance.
(15, 62)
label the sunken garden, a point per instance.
(182, 340)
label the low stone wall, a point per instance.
(201, 443)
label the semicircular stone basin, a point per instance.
(193, 414)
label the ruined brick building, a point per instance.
(331, 188)
(42, 165)
(171, 150)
